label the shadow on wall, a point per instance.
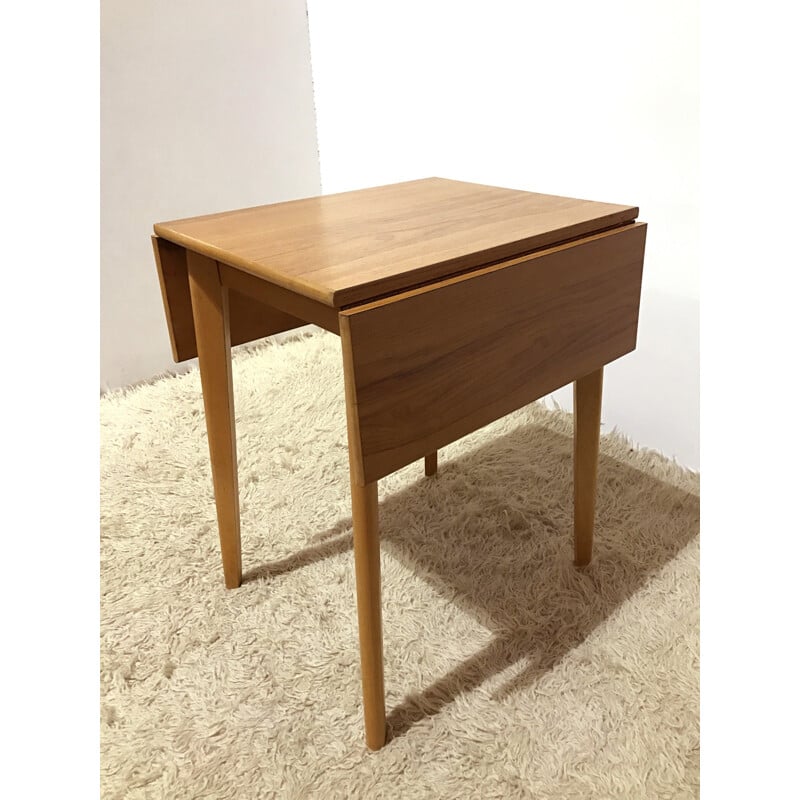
(505, 556)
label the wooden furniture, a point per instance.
(456, 303)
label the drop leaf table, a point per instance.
(456, 303)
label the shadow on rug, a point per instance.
(509, 672)
(527, 624)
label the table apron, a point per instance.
(428, 366)
(250, 318)
(304, 308)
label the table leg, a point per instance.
(588, 395)
(212, 331)
(431, 463)
(366, 544)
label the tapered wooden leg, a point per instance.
(366, 544)
(212, 330)
(588, 396)
(431, 463)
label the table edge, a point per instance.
(371, 291)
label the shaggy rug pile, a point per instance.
(509, 673)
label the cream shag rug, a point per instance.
(509, 673)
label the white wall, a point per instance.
(593, 100)
(205, 106)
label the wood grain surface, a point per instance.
(428, 366)
(586, 410)
(250, 318)
(367, 552)
(346, 248)
(281, 300)
(212, 322)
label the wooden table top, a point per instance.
(346, 248)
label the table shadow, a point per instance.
(642, 524)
